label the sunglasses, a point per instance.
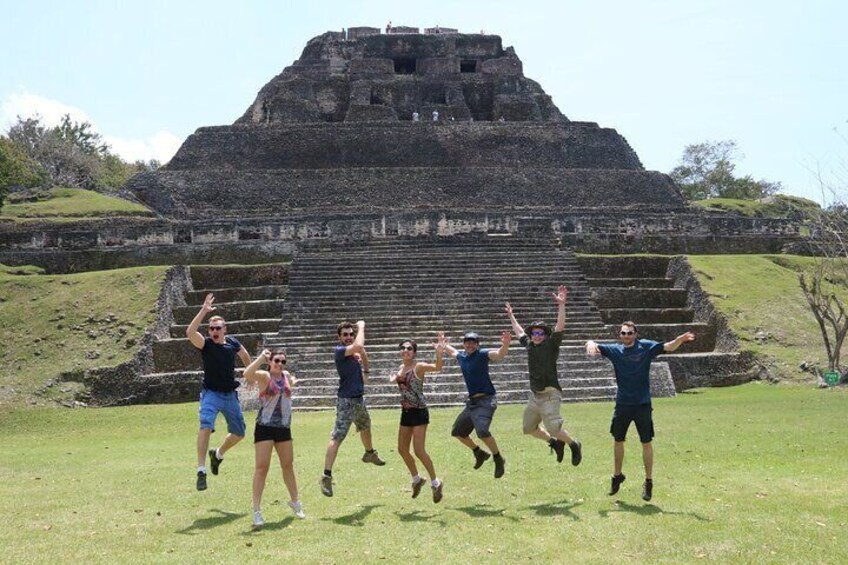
(537, 333)
(347, 334)
(406, 348)
(627, 333)
(215, 328)
(279, 361)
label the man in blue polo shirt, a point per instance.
(218, 351)
(482, 402)
(631, 360)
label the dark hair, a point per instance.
(410, 341)
(344, 325)
(278, 351)
(630, 324)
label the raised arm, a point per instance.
(252, 374)
(516, 327)
(358, 342)
(195, 337)
(363, 360)
(506, 339)
(672, 345)
(436, 366)
(592, 349)
(560, 296)
(244, 356)
(450, 349)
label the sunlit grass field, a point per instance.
(752, 474)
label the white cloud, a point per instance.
(161, 146)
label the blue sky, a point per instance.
(771, 75)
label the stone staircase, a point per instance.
(411, 289)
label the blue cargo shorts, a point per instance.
(212, 402)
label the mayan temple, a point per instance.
(417, 180)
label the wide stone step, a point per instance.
(400, 314)
(170, 355)
(705, 335)
(599, 266)
(607, 298)
(647, 315)
(232, 311)
(640, 282)
(255, 326)
(233, 294)
(224, 276)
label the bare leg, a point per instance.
(332, 451)
(260, 473)
(467, 441)
(563, 435)
(541, 434)
(491, 444)
(419, 437)
(404, 438)
(202, 445)
(365, 436)
(648, 459)
(229, 442)
(618, 455)
(285, 453)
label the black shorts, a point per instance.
(271, 433)
(411, 417)
(639, 415)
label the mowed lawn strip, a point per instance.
(73, 203)
(745, 474)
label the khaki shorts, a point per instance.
(543, 407)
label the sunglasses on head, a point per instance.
(407, 348)
(215, 328)
(622, 332)
(279, 361)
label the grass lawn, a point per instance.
(73, 203)
(56, 323)
(743, 475)
(761, 293)
(777, 206)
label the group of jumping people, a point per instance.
(631, 359)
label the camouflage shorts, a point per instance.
(350, 410)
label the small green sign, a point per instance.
(831, 378)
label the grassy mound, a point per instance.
(73, 204)
(50, 324)
(778, 206)
(751, 474)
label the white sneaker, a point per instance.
(298, 509)
(258, 522)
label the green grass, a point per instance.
(761, 294)
(72, 203)
(743, 475)
(778, 206)
(56, 323)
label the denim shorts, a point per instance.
(212, 402)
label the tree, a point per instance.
(706, 170)
(17, 170)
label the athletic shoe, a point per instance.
(437, 492)
(416, 487)
(499, 466)
(201, 480)
(480, 457)
(616, 483)
(298, 509)
(326, 485)
(372, 457)
(214, 462)
(258, 522)
(576, 453)
(647, 490)
(558, 447)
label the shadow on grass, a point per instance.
(648, 510)
(419, 516)
(219, 519)
(563, 508)
(483, 511)
(272, 526)
(355, 519)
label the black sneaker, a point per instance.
(201, 480)
(480, 457)
(499, 466)
(576, 453)
(647, 490)
(558, 447)
(616, 483)
(214, 462)
(416, 488)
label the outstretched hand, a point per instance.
(688, 336)
(207, 303)
(508, 309)
(441, 342)
(561, 294)
(266, 353)
(506, 337)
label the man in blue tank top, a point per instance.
(631, 360)
(219, 352)
(481, 403)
